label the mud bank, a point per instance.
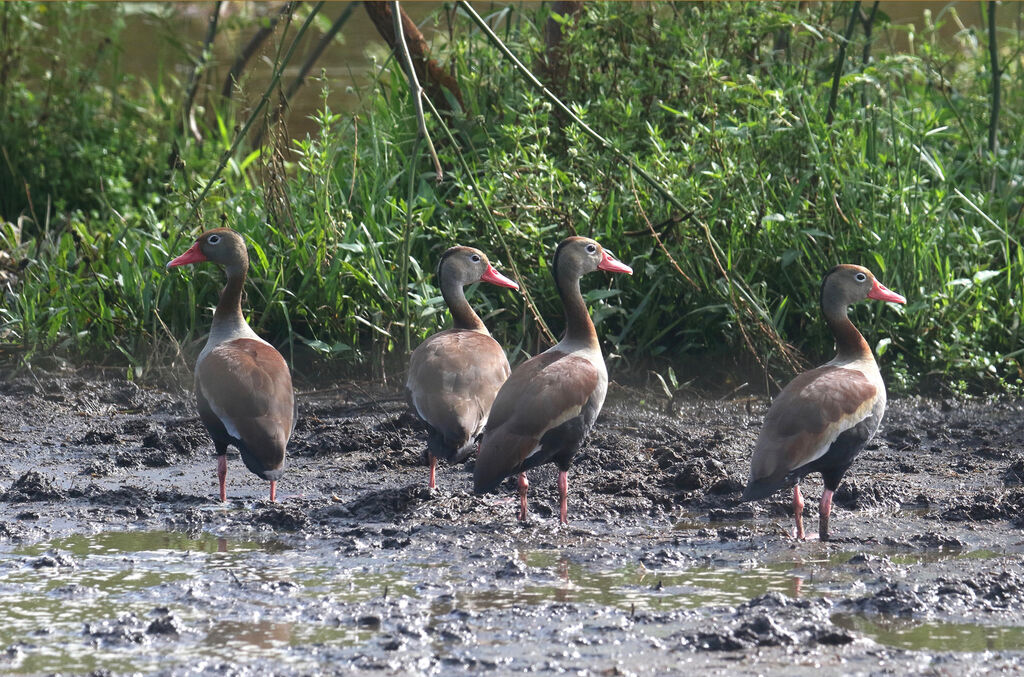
(115, 556)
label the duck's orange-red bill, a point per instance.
(613, 265)
(881, 293)
(494, 277)
(193, 255)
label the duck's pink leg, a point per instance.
(524, 485)
(824, 511)
(798, 512)
(563, 492)
(433, 467)
(222, 476)
(273, 491)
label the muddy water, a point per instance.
(114, 554)
(156, 33)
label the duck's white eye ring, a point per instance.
(475, 258)
(591, 248)
(213, 239)
(860, 277)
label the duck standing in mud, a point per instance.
(243, 385)
(455, 374)
(550, 402)
(824, 417)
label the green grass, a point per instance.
(724, 103)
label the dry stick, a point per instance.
(197, 71)
(654, 234)
(255, 112)
(436, 78)
(511, 260)
(414, 85)
(664, 192)
(793, 364)
(326, 40)
(993, 52)
(355, 157)
(300, 79)
(833, 96)
(170, 335)
(250, 48)
(406, 230)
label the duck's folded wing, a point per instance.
(806, 418)
(541, 394)
(247, 386)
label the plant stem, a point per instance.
(314, 55)
(278, 71)
(338, 24)
(993, 53)
(745, 300)
(833, 96)
(550, 96)
(510, 259)
(403, 275)
(250, 48)
(197, 72)
(414, 85)
(868, 24)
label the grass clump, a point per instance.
(726, 104)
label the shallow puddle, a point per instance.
(90, 601)
(634, 587)
(85, 602)
(933, 636)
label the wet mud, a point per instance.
(116, 558)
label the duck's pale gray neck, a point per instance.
(579, 328)
(463, 315)
(850, 344)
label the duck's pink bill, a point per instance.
(613, 265)
(880, 292)
(193, 255)
(494, 277)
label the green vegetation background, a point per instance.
(724, 102)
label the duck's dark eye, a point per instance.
(591, 248)
(860, 277)
(213, 239)
(475, 258)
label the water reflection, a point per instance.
(153, 543)
(84, 602)
(247, 635)
(630, 588)
(933, 636)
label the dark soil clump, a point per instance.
(32, 486)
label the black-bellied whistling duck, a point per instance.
(824, 417)
(243, 386)
(455, 374)
(550, 402)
